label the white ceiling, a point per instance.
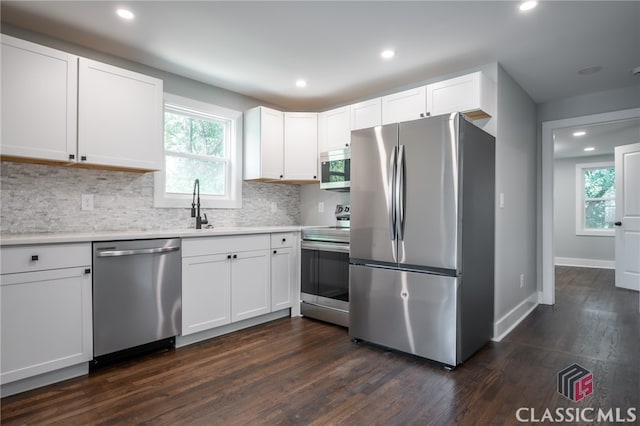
(260, 48)
(603, 137)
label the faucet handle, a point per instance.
(204, 221)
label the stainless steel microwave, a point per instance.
(335, 170)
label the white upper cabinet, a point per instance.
(404, 106)
(334, 129)
(39, 101)
(301, 146)
(263, 144)
(366, 114)
(471, 94)
(119, 118)
(280, 146)
(57, 107)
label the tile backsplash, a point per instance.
(44, 198)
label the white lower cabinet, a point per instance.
(46, 320)
(250, 284)
(282, 278)
(206, 292)
(224, 279)
(283, 270)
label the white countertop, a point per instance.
(77, 237)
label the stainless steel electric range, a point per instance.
(325, 270)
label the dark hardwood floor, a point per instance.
(300, 371)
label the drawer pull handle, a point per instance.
(275, 252)
(235, 256)
(228, 256)
(284, 240)
(87, 271)
(35, 258)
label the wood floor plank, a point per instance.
(297, 371)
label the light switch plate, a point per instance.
(321, 207)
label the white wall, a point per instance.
(516, 222)
(310, 196)
(568, 245)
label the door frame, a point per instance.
(546, 241)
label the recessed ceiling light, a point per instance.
(125, 14)
(579, 133)
(387, 54)
(301, 83)
(589, 148)
(590, 70)
(528, 5)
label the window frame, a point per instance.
(194, 108)
(580, 200)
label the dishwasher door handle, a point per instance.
(115, 253)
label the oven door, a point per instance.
(325, 274)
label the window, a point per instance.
(204, 142)
(595, 199)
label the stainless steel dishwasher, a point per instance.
(137, 297)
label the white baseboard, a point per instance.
(585, 263)
(44, 379)
(508, 322)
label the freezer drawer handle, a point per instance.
(115, 253)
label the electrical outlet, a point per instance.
(274, 207)
(87, 201)
(521, 280)
(502, 200)
(320, 207)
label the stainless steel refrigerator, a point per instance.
(422, 237)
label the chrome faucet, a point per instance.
(195, 207)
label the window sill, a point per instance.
(596, 233)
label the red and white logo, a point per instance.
(575, 382)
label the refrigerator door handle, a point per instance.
(400, 192)
(391, 201)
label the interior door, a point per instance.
(627, 163)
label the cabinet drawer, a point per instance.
(282, 239)
(216, 245)
(42, 257)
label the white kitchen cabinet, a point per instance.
(404, 106)
(366, 114)
(39, 101)
(59, 108)
(206, 292)
(263, 144)
(46, 320)
(250, 284)
(283, 270)
(280, 146)
(120, 117)
(300, 146)
(334, 129)
(224, 279)
(471, 94)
